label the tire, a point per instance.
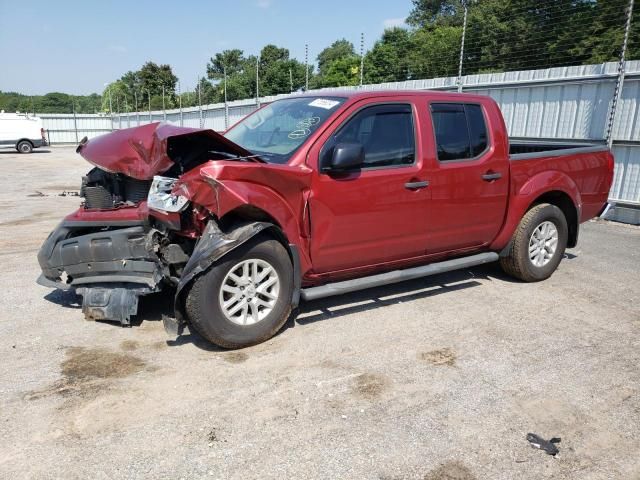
(204, 301)
(24, 146)
(529, 258)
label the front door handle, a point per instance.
(490, 177)
(416, 185)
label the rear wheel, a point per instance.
(24, 146)
(538, 244)
(245, 298)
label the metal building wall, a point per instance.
(570, 103)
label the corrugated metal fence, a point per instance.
(569, 103)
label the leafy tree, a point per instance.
(338, 50)
(428, 13)
(278, 72)
(338, 65)
(153, 79)
(388, 60)
(53, 102)
(237, 69)
(136, 88)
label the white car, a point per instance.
(22, 132)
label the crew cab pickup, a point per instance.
(312, 196)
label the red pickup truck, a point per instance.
(312, 196)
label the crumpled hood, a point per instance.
(144, 151)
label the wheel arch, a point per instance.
(563, 201)
(25, 140)
(221, 237)
(552, 186)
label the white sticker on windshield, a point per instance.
(324, 103)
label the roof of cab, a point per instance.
(363, 94)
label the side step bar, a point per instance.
(338, 288)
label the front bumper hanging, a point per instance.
(110, 269)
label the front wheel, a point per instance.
(245, 298)
(538, 244)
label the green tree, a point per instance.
(428, 13)
(137, 87)
(153, 79)
(337, 50)
(238, 71)
(338, 65)
(116, 97)
(278, 72)
(388, 60)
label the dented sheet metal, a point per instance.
(141, 152)
(279, 190)
(214, 244)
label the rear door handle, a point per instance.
(489, 177)
(416, 185)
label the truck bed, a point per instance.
(523, 148)
(584, 165)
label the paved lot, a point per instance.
(440, 378)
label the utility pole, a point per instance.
(258, 81)
(226, 106)
(199, 86)
(290, 80)
(164, 111)
(361, 58)
(75, 121)
(306, 67)
(135, 97)
(149, 98)
(464, 33)
(126, 109)
(180, 104)
(110, 107)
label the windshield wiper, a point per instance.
(231, 156)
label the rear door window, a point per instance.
(460, 130)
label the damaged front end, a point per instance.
(111, 266)
(131, 236)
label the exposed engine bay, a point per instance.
(133, 234)
(103, 190)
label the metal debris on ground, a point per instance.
(548, 446)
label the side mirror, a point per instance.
(347, 156)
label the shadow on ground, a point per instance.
(152, 307)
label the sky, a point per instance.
(77, 46)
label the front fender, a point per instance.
(525, 196)
(213, 245)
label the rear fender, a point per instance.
(522, 200)
(215, 244)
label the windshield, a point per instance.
(276, 131)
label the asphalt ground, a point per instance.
(439, 378)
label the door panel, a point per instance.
(468, 195)
(368, 216)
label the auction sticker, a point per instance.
(324, 103)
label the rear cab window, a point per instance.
(460, 131)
